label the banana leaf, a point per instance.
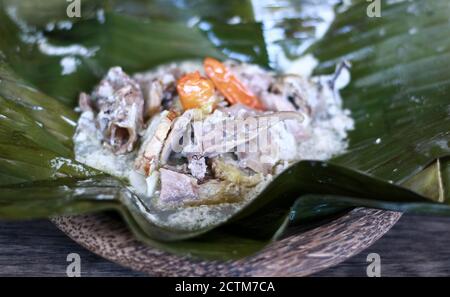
(398, 156)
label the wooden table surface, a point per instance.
(416, 246)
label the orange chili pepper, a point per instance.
(195, 91)
(233, 90)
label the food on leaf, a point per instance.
(205, 166)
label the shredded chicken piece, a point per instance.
(283, 93)
(177, 187)
(180, 126)
(182, 189)
(233, 132)
(159, 89)
(149, 154)
(119, 102)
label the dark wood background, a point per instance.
(416, 246)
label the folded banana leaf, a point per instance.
(399, 153)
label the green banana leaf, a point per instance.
(399, 154)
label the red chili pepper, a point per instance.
(233, 90)
(195, 91)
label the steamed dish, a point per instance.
(197, 141)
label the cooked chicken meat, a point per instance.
(119, 104)
(208, 134)
(153, 142)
